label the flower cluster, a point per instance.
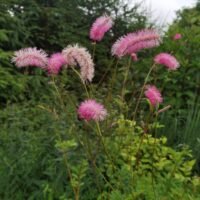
(167, 60)
(76, 55)
(154, 95)
(55, 63)
(30, 57)
(134, 42)
(100, 27)
(177, 36)
(91, 110)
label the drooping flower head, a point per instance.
(55, 63)
(177, 36)
(76, 55)
(154, 95)
(91, 110)
(100, 27)
(167, 60)
(134, 42)
(30, 57)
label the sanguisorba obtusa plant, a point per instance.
(92, 113)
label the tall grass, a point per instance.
(184, 128)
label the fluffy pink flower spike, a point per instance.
(55, 63)
(167, 60)
(76, 55)
(91, 110)
(134, 42)
(154, 95)
(30, 57)
(100, 27)
(177, 36)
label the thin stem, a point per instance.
(76, 193)
(125, 79)
(67, 167)
(82, 81)
(58, 93)
(94, 49)
(142, 90)
(139, 147)
(103, 144)
(94, 163)
(154, 148)
(90, 157)
(102, 78)
(109, 95)
(60, 97)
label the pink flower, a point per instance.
(100, 27)
(177, 36)
(134, 57)
(55, 63)
(134, 42)
(75, 55)
(91, 110)
(30, 57)
(167, 60)
(154, 95)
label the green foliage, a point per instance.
(33, 160)
(52, 25)
(48, 153)
(182, 123)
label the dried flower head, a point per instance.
(30, 57)
(154, 95)
(167, 60)
(76, 55)
(55, 63)
(91, 110)
(100, 27)
(134, 42)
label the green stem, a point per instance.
(125, 79)
(113, 78)
(142, 90)
(82, 81)
(103, 144)
(57, 91)
(102, 78)
(94, 49)
(86, 146)
(76, 192)
(68, 169)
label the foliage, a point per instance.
(183, 120)
(32, 160)
(52, 25)
(48, 153)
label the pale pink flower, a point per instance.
(30, 57)
(134, 57)
(91, 110)
(177, 36)
(55, 63)
(76, 55)
(134, 42)
(100, 27)
(154, 95)
(167, 60)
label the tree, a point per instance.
(52, 25)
